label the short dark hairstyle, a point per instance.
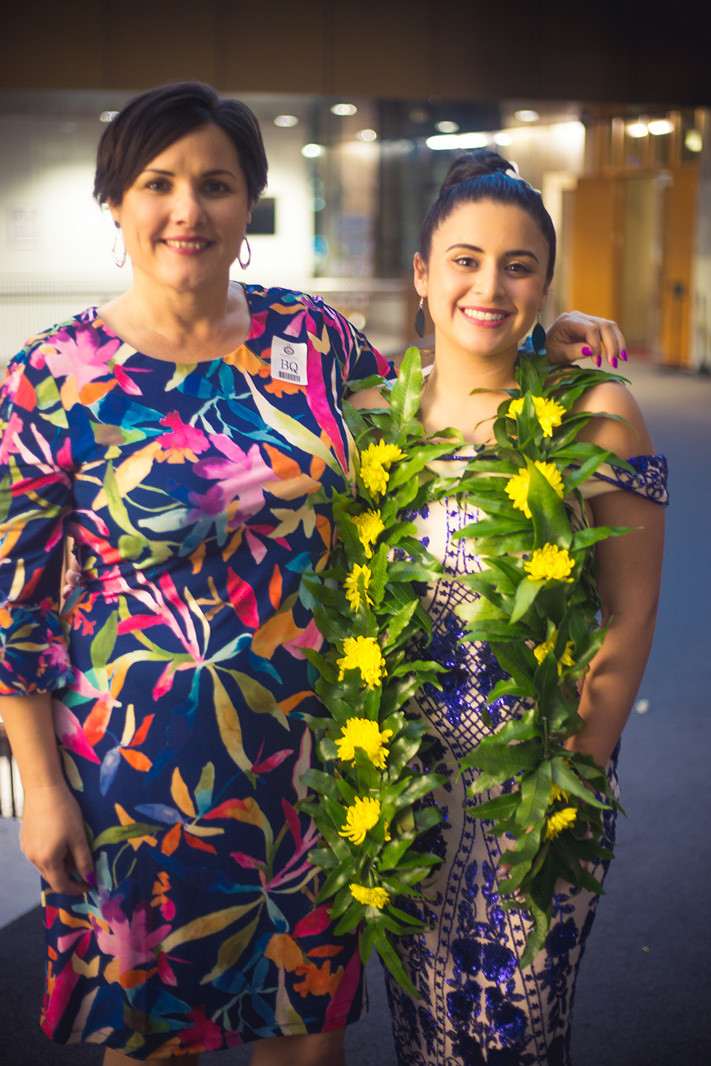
(152, 121)
(482, 175)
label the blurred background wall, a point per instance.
(605, 109)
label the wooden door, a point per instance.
(595, 246)
(677, 290)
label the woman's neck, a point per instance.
(184, 326)
(449, 397)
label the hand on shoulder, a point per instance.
(575, 335)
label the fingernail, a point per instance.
(613, 362)
(598, 360)
(90, 878)
(586, 350)
(623, 356)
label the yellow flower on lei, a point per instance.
(518, 485)
(557, 793)
(358, 580)
(369, 526)
(566, 659)
(364, 654)
(559, 821)
(550, 563)
(365, 734)
(548, 412)
(375, 462)
(360, 817)
(371, 897)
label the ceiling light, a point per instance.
(693, 141)
(342, 110)
(367, 136)
(107, 116)
(637, 129)
(660, 126)
(286, 121)
(503, 139)
(442, 141)
(447, 127)
(312, 151)
(527, 115)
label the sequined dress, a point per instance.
(478, 1006)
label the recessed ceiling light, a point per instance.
(367, 135)
(447, 127)
(312, 151)
(286, 121)
(343, 109)
(107, 116)
(527, 115)
(660, 126)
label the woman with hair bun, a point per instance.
(485, 262)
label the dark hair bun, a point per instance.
(474, 165)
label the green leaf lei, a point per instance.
(536, 604)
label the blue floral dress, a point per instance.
(178, 668)
(477, 1006)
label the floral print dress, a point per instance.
(178, 667)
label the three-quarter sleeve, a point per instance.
(35, 500)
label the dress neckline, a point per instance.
(97, 320)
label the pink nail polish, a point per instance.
(598, 361)
(613, 362)
(585, 350)
(90, 878)
(623, 356)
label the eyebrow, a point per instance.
(207, 174)
(512, 251)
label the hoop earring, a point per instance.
(249, 255)
(420, 319)
(119, 247)
(538, 337)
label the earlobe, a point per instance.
(420, 275)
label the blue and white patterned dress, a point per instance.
(478, 1006)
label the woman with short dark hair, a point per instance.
(177, 434)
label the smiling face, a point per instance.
(485, 280)
(184, 218)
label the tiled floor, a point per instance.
(19, 882)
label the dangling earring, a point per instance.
(420, 319)
(538, 337)
(249, 255)
(119, 248)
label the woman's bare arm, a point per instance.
(629, 579)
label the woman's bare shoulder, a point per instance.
(624, 431)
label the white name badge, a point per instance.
(289, 361)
